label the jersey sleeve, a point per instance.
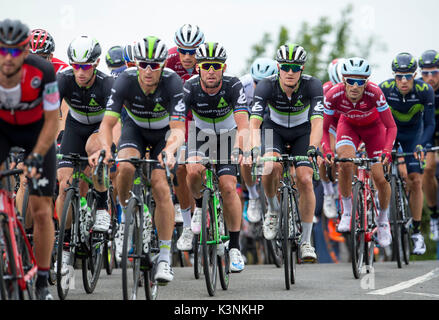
(260, 99)
(429, 116)
(386, 117)
(238, 98)
(187, 96)
(328, 119)
(117, 96)
(177, 105)
(316, 95)
(51, 99)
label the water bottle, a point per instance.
(83, 204)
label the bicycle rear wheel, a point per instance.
(285, 235)
(208, 249)
(64, 277)
(395, 225)
(357, 230)
(132, 250)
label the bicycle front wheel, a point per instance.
(395, 225)
(132, 250)
(406, 231)
(357, 230)
(285, 213)
(9, 284)
(208, 243)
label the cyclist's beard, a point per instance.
(211, 86)
(10, 75)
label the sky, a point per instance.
(402, 26)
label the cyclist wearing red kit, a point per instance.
(365, 116)
(43, 45)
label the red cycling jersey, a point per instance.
(326, 86)
(173, 62)
(37, 92)
(371, 110)
(59, 65)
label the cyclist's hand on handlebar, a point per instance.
(314, 152)
(247, 159)
(94, 158)
(386, 157)
(169, 158)
(236, 155)
(329, 158)
(419, 153)
(33, 165)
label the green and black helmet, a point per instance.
(211, 51)
(150, 49)
(291, 53)
(404, 62)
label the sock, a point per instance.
(165, 248)
(252, 192)
(122, 216)
(434, 213)
(186, 213)
(306, 232)
(416, 226)
(199, 202)
(101, 200)
(328, 188)
(273, 204)
(383, 216)
(347, 205)
(43, 275)
(234, 240)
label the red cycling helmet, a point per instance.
(41, 42)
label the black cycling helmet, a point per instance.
(114, 57)
(404, 62)
(429, 59)
(14, 33)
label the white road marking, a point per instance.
(424, 294)
(407, 284)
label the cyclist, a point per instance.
(429, 64)
(261, 68)
(152, 96)
(330, 193)
(365, 116)
(43, 44)
(29, 102)
(182, 60)
(412, 105)
(86, 90)
(115, 61)
(295, 114)
(128, 55)
(219, 107)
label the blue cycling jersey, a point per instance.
(413, 112)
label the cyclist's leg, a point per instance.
(429, 183)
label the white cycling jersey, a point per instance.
(249, 88)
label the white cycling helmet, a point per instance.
(262, 68)
(334, 70)
(150, 49)
(84, 49)
(356, 67)
(189, 36)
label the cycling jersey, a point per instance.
(333, 128)
(37, 92)
(249, 88)
(151, 111)
(173, 62)
(414, 112)
(371, 110)
(326, 86)
(59, 65)
(86, 104)
(306, 102)
(215, 112)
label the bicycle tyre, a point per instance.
(285, 235)
(209, 251)
(395, 225)
(357, 230)
(224, 260)
(198, 267)
(110, 244)
(12, 289)
(63, 280)
(131, 240)
(406, 232)
(370, 246)
(295, 225)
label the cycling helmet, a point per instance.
(291, 53)
(211, 51)
(150, 49)
(114, 57)
(84, 49)
(41, 42)
(429, 59)
(356, 67)
(189, 36)
(334, 70)
(404, 62)
(14, 33)
(128, 53)
(262, 68)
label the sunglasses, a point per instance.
(186, 51)
(430, 72)
(14, 52)
(407, 76)
(152, 65)
(84, 67)
(353, 81)
(215, 65)
(291, 66)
